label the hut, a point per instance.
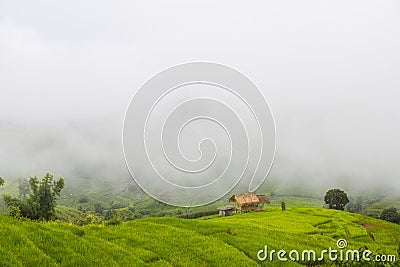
(249, 201)
(263, 200)
(226, 210)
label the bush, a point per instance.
(198, 214)
(98, 208)
(113, 221)
(83, 200)
(89, 218)
(117, 205)
(125, 214)
(14, 212)
(144, 211)
(79, 232)
(109, 214)
(283, 206)
(391, 215)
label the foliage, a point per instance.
(78, 231)
(117, 205)
(144, 211)
(111, 213)
(283, 206)
(14, 212)
(41, 203)
(98, 208)
(90, 219)
(69, 215)
(1, 181)
(198, 214)
(355, 205)
(336, 199)
(391, 215)
(23, 188)
(114, 221)
(83, 200)
(125, 214)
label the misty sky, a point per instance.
(329, 69)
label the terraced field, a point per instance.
(212, 241)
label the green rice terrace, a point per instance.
(206, 241)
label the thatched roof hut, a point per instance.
(245, 199)
(226, 210)
(249, 201)
(263, 199)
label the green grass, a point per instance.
(169, 241)
(297, 201)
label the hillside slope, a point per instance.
(168, 241)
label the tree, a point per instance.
(110, 214)
(125, 214)
(41, 203)
(355, 205)
(98, 209)
(283, 206)
(83, 200)
(336, 199)
(391, 215)
(23, 188)
(1, 181)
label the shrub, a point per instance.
(78, 231)
(98, 208)
(117, 205)
(83, 200)
(15, 212)
(198, 214)
(144, 211)
(125, 214)
(114, 221)
(391, 215)
(283, 206)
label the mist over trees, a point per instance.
(355, 205)
(23, 188)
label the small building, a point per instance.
(226, 210)
(249, 201)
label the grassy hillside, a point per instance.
(213, 241)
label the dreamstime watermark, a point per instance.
(333, 254)
(195, 131)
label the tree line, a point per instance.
(338, 199)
